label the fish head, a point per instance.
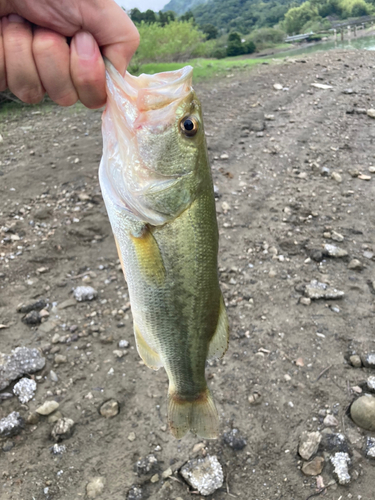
(154, 143)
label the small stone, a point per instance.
(11, 425)
(8, 445)
(341, 462)
(135, 493)
(204, 475)
(63, 429)
(32, 306)
(147, 465)
(119, 354)
(306, 301)
(334, 442)
(313, 468)
(316, 290)
(95, 487)
(355, 361)
(234, 439)
(167, 473)
(67, 303)
(334, 251)
(123, 344)
(336, 177)
(364, 177)
(32, 318)
(53, 376)
(371, 113)
(369, 360)
(224, 156)
(60, 359)
(25, 389)
(277, 86)
(132, 436)
(21, 361)
(47, 408)
(368, 255)
(370, 447)
(109, 409)
(32, 418)
(58, 449)
(371, 382)
(355, 264)
(309, 444)
(330, 421)
(155, 478)
(54, 417)
(255, 398)
(85, 293)
(337, 236)
(362, 412)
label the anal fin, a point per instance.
(219, 342)
(150, 357)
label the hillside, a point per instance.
(182, 6)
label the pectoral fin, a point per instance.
(149, 257)
(150, 357)
(220, 340)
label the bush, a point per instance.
(297, 17)
(267, 36)
(219, 53)
(210, 31)
(249, 47)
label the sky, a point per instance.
(155, 5)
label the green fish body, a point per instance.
(157, 187)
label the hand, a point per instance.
(36, 58)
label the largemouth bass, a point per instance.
(157, 187)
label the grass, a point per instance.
(203, 68)
(13, 109)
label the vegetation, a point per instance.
(182, 6)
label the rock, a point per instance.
(167, 473)
(224, 156)
(337, 236)
(355, 361)
(355, 264)
(370, 447)
(8, 445)
(334, 251)
(155, 478)
(54, 417)
(368, 255)
(85, 293)
(306, 301)
(147, 465)
(364, 177)
(321, 86)
(255, 398)
(341, 462)
(58, 449)
(313, 468)
(371, 113)
(20, 362)
(109, 409)
(60, 359)
(32, 418)
(67, 303)
(135, 493)
(234, 439)
(336, 177)
(53, 376)
(63, 429)
(123, 344)
(32, 306)
(309, 444)
(95, 487)
(371, 382)
(277, 86)
(132, 436)
(362, 412)
(25, 389)
(316, 290)
(32, 318)
(11, 425)
(334, 442)
(330, 421)
(47, 408)
(369, 360)
(204, 475)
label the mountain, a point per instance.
(182, 6)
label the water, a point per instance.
(366, 43)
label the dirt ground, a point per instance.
(273, 153)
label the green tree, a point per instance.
(210, 31)
(136, 16)
(235, 47)
(188, 16)
(296, 17)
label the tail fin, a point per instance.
(199, 416)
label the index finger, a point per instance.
(3, 80)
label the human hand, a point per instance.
(36, 58)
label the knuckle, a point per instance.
(46, 42)
(65, 100)
(29, 95)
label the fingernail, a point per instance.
(15, 18)
(85, 44)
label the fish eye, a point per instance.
(189, 126)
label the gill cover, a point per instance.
(149, 165)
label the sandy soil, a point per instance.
(273, 154)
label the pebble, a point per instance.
(369, 360)
(341, 462)
(63, 429)
(32, 418)
(167, 473)
(364, 177)
(54, 417)
(306, 301)
(155, 478)
(370, 447)
(135, 493)
(53, 376)
(313, 468)
(32, 318)
(109, 409)
(337, 236)
(316, 290)
(255, 398)
(58, 449)
(334, 251)
(362, 412)
(371, 382)
(355, 361)
(123, 344)
(66, 303)
(47, 408)
(21, 361)
(277, 86)
(355, 264)
(336, 177)
(147, 465)
(32, 306)
(132, 436)
(371, 113)
(224, 156)
(234, 439)
(330, 421)
(95, 487)
(11, 425)
(334, 442)
(60, 359)
(85, 293)
(309, 444)
(8, 445)
(204, 475)
(25, 389)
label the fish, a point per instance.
(157, 187)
